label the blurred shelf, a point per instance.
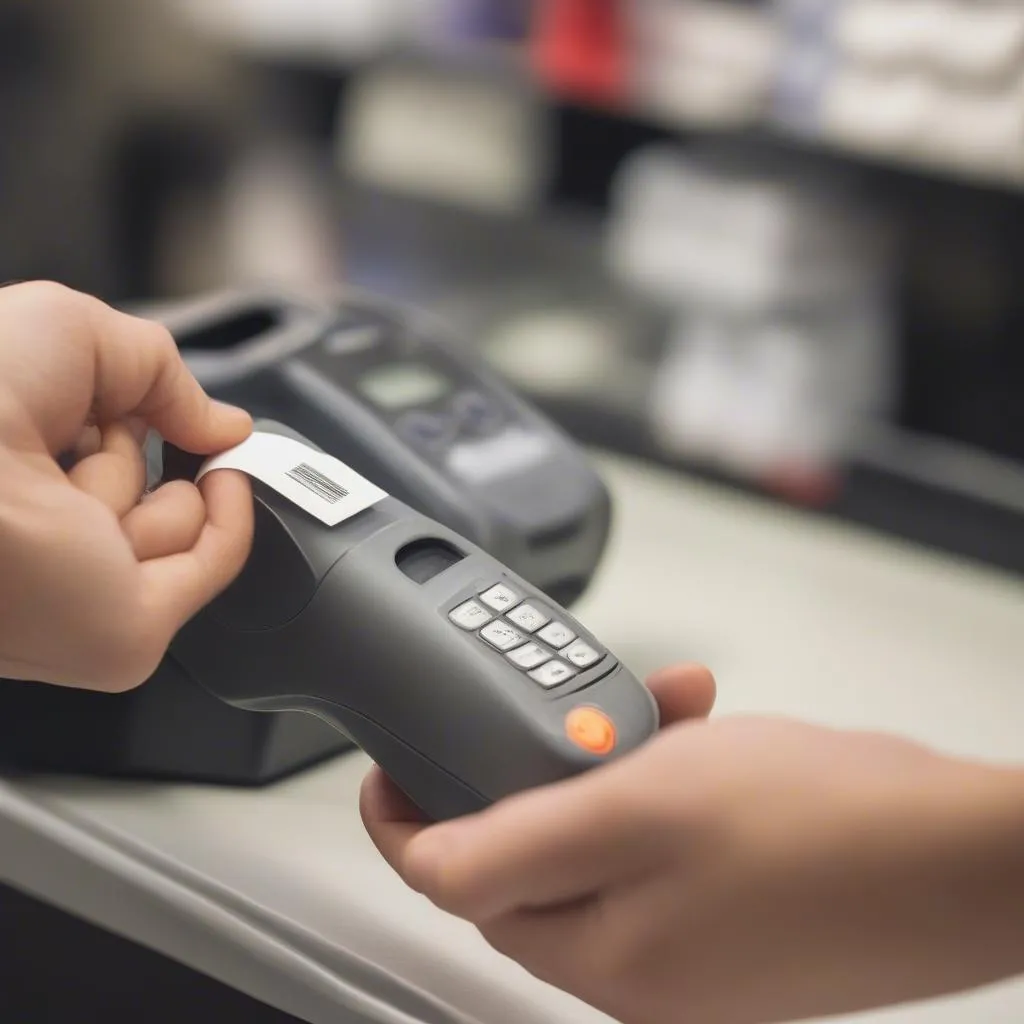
(881, 490)
(548, 277)
(890, 159)
(257, 31)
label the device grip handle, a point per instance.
(439, 795)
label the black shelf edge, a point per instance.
(948, 521)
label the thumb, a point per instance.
(546, 846)
(140, 372)
(683, 692)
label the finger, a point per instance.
(105, 366)
(555, 946)
(140, 372)
(167, 522)
(683, 692)
(177, 587)
(390, 818)
(590, 947)
(542, 848)
(547, 846)
(116, 474)
(90, 441)
(139, 429)
(381, 800)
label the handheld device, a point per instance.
(387, 391)
(462, 680)
(501, 476)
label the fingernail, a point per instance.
(228, 409)
(234, 413)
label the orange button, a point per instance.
(591, 729)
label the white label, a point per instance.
(317, 482)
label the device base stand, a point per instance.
(168, 729)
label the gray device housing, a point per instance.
(477, 457)
(351, 623)
(297, 358)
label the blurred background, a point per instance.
(777, 244)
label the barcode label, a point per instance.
(319, 484)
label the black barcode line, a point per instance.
(313, 480)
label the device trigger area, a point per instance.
(591, 729)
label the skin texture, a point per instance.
(737, 871)
(96, 577)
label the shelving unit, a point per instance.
(926, 488)
(245, 31)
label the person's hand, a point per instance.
(739, 871)
(96, 577)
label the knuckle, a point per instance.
(48, 293)
(162, 340)
(508, 939)
(440, 879)
(129, 673)
(164, 350)
(426, 873)
(50, 300)
(132, 658)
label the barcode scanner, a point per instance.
(465, 683)
(400, 402)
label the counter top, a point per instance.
(279, 891)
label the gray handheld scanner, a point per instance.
(385, 390)
(463, 681)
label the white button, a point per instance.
(502, 636)
(355, 338)
(527, 617)
(553, 673)
(529, 656)
(470, 615)
(511, 452)
(500, 598)
(581, 655)
(557, 635)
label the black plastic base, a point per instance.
(168, 729)
(64, 970)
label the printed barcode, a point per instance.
(313, 480)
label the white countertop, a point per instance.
(795, 616)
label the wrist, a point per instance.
(973, 863)
(991, 819)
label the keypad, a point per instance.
(476, 413)
(527, 617)
(529, 656)
(423, 428)
(500, 598)
(557, 635)
(471, 615)
(546, 650)
(502, 635)
(581, 655)
(552, 674)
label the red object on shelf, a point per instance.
(804, 486)
(580, 48)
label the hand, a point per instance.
(741, 871)
(95, 576)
